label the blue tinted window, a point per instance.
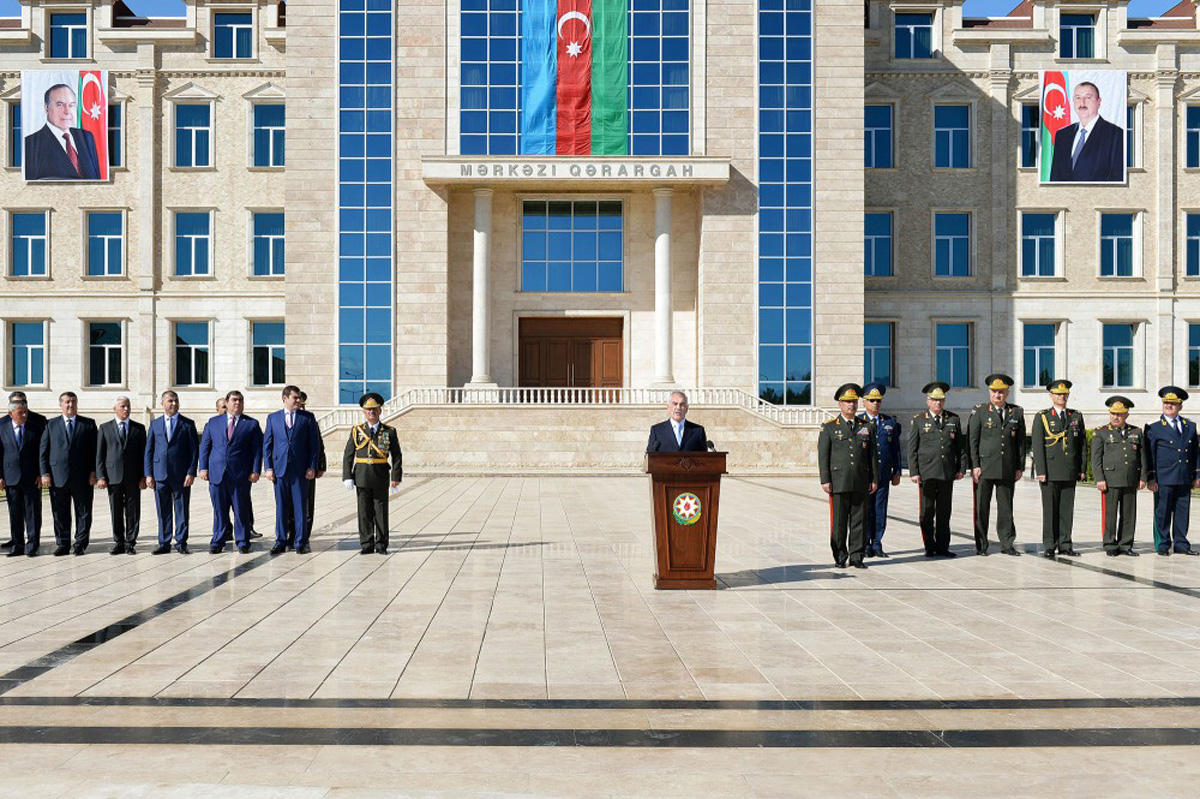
(1030, 128)
(268, 355)
(1037, 245)
(193, 243)
(191, 353)
(914, 36)
(68, 35)
(953, 354)
(1193, 136)
(1116, 245)
(29, 238)
(268, 242)
(15, 139)
(878, 244)
(1038, 347)
(1077, 34)
(877, 353)
(571, 246)
(193, 135)
(233, 35)
(105, 243)
(952, 244)
(878, 139)
(116, 134)
(1192, 225)
(1117, 356)
(952, 136)
(1193, 355)
(269, 130)
(28, 354)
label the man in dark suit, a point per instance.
(1172, 463)
(20, 440)
(68, 462)
(291, 445)
(849, 469)
(1092, 149)
(39, 422)
(937, 456)
(677, 434)
(172, 452)
(322, 467)
(120, 468)
(230, 460)
(57, 151)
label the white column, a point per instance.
(480, 293)
(664, 373)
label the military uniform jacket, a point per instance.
(996, 440)
(1058, 445)
(365, 460)
(887, 445)
(1118, 455)
(846, 454)
(1170, 456)
(936, 453)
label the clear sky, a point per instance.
(149, 8)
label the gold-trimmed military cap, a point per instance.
(1173, 394)
(1118, 404)
(874, 391)
(1059, 386)
(936, 390)
(999, 382)
(848, 392)
(371, 400)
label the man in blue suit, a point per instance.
(887, 438)
(172, 452)
(230, 460)
(1092, 149)
(20, 440)
(291, 447)
(58, 151)
(677, 434)
(39, 422)
(1171, 471)
(68, 462)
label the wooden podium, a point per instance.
(685, 489)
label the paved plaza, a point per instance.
(511, 644)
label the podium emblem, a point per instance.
(686, 509)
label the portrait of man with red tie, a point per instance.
(67, 135)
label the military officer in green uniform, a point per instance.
(1059, 440)
(937, 456)
(365, 468)
(1118, 464)
(846, 459)
(996, 444)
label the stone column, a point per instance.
(480, 293)
(144, 261)
(664, 372)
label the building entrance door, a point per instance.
(571, 352)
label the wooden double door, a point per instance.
(571, 352)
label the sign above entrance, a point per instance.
(575, 172)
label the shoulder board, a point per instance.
(830, 420)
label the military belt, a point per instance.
(370, 460)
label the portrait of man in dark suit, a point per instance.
(58, 151)
(677, 434)
(1091, 150)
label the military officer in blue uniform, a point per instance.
(996, 447)
(887, 445)
(1059, 443)
(847, 463)
(1118, 463)
(937, 456)
(1171, 462)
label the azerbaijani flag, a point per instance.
(575, 62)
(93, 112)
(1056, 114)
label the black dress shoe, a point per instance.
(931, 554)
(1133, 553)
(1010, 551)
(15, 553)
(119, 549)
(1187, 552)
(216, 550)
(1049, 553)
(162, 549)
(31, 553)
(983, 553)
(130, 550)
(303, 549)
(381, 550)
(244, 549)
(1164, 552)
(870, 553)
(1069, 552)
(60, 551)
(278, 549)
(182, 549)
(1112, 553)
(368, 550)
(945, 553)
(78, 550)
(7, 544)
(255, 533)
(858, 564)
(840, 563)
(879, 553)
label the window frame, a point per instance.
(623, 200)
(1134, 124)
(251, 237)
(270, 347)
(1187, 239)
(208, 346)
(88, 44)
(15, 157)
(11, 244)
(891, 327)
(933, 238)
(11, 357)
(893, 110)
(87, 352)
(970, 325)
(1136, 355)
(252, 151)
(120, 131)
(1037, 136)
(220, 10)
(970, 134)
(1094, 16)
(173, 241)
(1136, 245)
(1190, 134)
(867, 261)
(1191, 350)
(1059, 215)
(935, 38)
(212, 145)
(1056, 349)
(85, 230)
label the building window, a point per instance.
(1038, 346)
(28, 353)
(1077, 34)
(914, 35)
(193, 243)
(1193, 355)
(878, 244)
(878, 136)
(1031, 125)
(233, 35)
(1192, 226)
(1193, 136)
(365, 213)
(268, 353)
(105, 235)
(1037, 245)
(954, 353)
(16, 142)
(1116, 245)
(952, 136)
(191, 353)
(571, 246)
(29, 240)
(785, 202)
(193, 135)
(268, 243)
(952, 244)
(104, 354)
(877, 353)
(659, 76)
(1118, 356)
(1132, 118)
(489, 93)
(116, 135)
(68, 35)
(269, 130)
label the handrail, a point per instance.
(524, 397)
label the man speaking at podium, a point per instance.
(677, 434)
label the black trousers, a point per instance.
(1058, 513)
(936, 496)
(24, 516)
(310, 508)
(125, 505)
(61, 501)
(847, 515)
(372, 517)
(1005, 529)
(1118, 535)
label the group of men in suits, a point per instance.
(71, 457)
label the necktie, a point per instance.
(939, 421)
(71, 154)
(70, 430)
(229, 429)
(678, 435)
(122, 432)
(1078, 146)
(289, 420)
(170, 426)
(20, 434)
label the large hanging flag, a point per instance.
(575, 62)
(1056, 114)
(93, 113)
